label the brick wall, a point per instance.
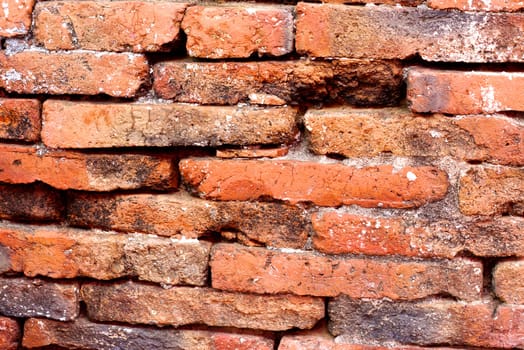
(335, 176)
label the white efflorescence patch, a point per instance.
(411, 176)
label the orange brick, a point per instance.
(238, 31)
(15, 18)
(321, 184)
(339, 233)
(428, 322)
(84, 334)
(478, 5)
(140, 303)
(92, 125)
(107, 26)
(85, 73)
(9, 333)
(492, 191)
(303, 273)
(391, 32)
(371, 132)
(23, 297)
(252, 152)
(355, 82)
(19, 119)
(80, 171)
(180, 215)
(508, 281)
(458, 92)
(60, 252)
(30, 202)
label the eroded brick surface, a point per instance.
(508, 281)
(19, 119)
(16, 17)
(30, 202)
(478, 5)
(9, 333)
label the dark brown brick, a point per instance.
(30, 202)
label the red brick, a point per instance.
(371, 132)
(61, 252)
(388, 2)
(23, 297)
(492, 191)
(80, 171)
(304, 273)
(139, 303)
(15, 18)
(83, 333)
(391, 32)
(252, 152)
(339, 233)
(92, 125)
(107, 26)
(20, 119)
(458, 92)
(30, 202)
(508, 281)
(321, 184)
(357, 82)
(85, 73)
(9, 333)
(428, 322)
(238, 31)
(478, 5)
(179, 215)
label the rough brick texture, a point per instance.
(478, 5)
(67, 253)
(35, 202)
(58, 301)
(81, 171)
(179, 215)
(82, 333)
(15, 18)
(458, 92)
(86, 73)
(428, 322)
(343, 233)
(387, 32)
(310, 274)
(19, 119)
(91, 125)
(358, 82)
(321, 184)
(363, 132)
(491, 191)
(508, 281)
(140, 303)
(107, 26)
(211, 32)
(9, 333)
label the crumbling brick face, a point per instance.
(335, 174)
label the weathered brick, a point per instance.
(83, 333)
(90, 125)
(81, 171)
(492, 191)
(391, 32)
(107, 26)
(429, 322)
(339, 233)
(139, 303)
(9, 333)
(238, 31)
(61, 252)
(22, 297)
(259, 270)
(478, 5)
(85, 73)
(508, 281)
(458, 92)
(178, 214)
(30, 202)
(252, 152)
(388, 2)
(16, 17)
(321, 184)
(20, 119)
(357, 82)
(371, 132)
